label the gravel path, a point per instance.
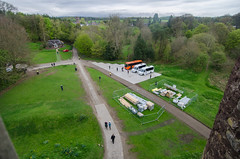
(112, 151)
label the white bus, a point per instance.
(146, 70)
(138, 66)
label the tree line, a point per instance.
(198, 43)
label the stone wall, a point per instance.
(224, 140)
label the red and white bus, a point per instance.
(129, 65)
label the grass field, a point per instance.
(66, 55)
(47, 55)
(209, 97)
(126, 51)
(45, 122)
(174, 140)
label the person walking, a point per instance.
(150, 76)
(99, 78)
(113, 138)
(75, 68)
(109, 67)
(61, 87)
(110, 74)
(37, 72)
(109, 125)
(106, 124)
(117, 68)
(122, 69)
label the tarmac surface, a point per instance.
(118, 70)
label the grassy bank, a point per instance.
(156, 139)
(45, 122)
(41, 55)
(209, 97)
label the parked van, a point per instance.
(138, 66)
(146, 70)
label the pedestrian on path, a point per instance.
(37, 72)
(110, 74)
(150, 76)
(128, 71)
(109, 125)
(106, 124)
(109, 67)
(117, 68)
(122, 69)
(113, 138)
(61, 87)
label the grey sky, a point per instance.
(100, 8)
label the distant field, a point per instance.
(41, 55)
(209, 97)
(45, 122)
(173, 140)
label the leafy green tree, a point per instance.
(155, 18)
(218, 59)
(201, 28)
(188, 34)
(233, 44)
(236, 20)
(84, 44)
(201, 62)
(221, 32)
(110, 52)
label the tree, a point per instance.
(7, 7)
(84, 44)
(142, 51)
(201, 28)
(188, 34)
(218, 59)
(221, 32)
(115, 34)
(13, 39)
(233, 44)
(236, 20)
(110, 52)
(155, 18)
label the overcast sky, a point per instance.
(103, 8)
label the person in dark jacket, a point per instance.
(113, 138)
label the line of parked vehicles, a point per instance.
(138, 67)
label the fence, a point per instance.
(148, 117)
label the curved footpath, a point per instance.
(112, 151)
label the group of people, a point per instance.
(109, 125)
(53, 64)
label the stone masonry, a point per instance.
(224, 140)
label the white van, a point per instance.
(146, 70)
(138, 66)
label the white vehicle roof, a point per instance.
(139, 65)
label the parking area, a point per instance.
(117, 70)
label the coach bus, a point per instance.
(146, 70)
(131, 64)
(138, 66)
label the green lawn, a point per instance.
(174, 140)
(66, 55)
(45, 122)
(41, 55)
(209, 97)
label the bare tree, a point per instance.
(13, 39)
(6, 7)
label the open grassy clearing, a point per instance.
(41, 55)
(209, 97)
(45, 122)
(175, 140)
(66, 55)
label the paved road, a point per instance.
(187, 119)
(47, 65)
(112, 151)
